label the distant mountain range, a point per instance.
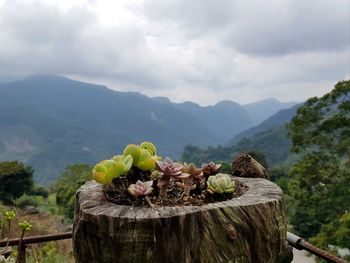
(261, 110)
(279, 119)
(223, 119)
(269, 137)
(51, 121)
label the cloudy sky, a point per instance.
(199, 50)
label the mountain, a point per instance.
(279, 119)
(273, 143)
(225, 119)
(261, 110)
(269, 138)
(51, 121)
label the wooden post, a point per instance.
(250, 228)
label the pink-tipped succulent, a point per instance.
(142, 189)
(210, 169)
(193, 174)
(169, 169)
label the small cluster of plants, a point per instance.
(8, 218)
(140, 173)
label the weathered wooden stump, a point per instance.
(250, 228)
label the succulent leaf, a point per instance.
(105, 171)
(193, 171)
(102, 178)
(127, 160)
(149, 147)
(210, 168)
(134, 150)
(149, 164)
(169, 168)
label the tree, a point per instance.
(15, 180)
(71, 179)
(320, 132)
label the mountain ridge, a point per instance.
(49, 121)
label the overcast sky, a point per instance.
(198, 50)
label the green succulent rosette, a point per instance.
(220, 184)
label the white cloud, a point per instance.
(198, 50)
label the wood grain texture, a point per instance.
(250, 228)
(245, 165)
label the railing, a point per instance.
(21, 244)
(301, 244)
(293, 240)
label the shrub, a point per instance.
(15, 180)
(29, 200)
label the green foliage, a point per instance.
(321, 177)
(39, 190)
(15, 180)
(225, 168)
(29, 200)
(273, 144)
(280, 176)
(335, 232)
(197, 155)
(49, 253)
(72, 178)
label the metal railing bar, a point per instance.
(301, 244)
(294, 240)
(37, 239)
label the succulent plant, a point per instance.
(144, 156)
(220, 183)
(192, 170)
(141, 188)
(25, 226)
(155, 175)
(9, 215)
(169, 169)
(193, 174)
(105, 171)
(210, 168)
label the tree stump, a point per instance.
(250, 228)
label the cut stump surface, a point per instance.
(250, 228)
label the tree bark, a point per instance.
(250, 228)
(246, 166)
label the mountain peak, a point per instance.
(227, 103)
(46, 76)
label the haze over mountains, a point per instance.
(51, 121)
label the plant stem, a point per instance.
(20, 246)
(34, 254)
(188, 188)
(149, 202)
(8, 238)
